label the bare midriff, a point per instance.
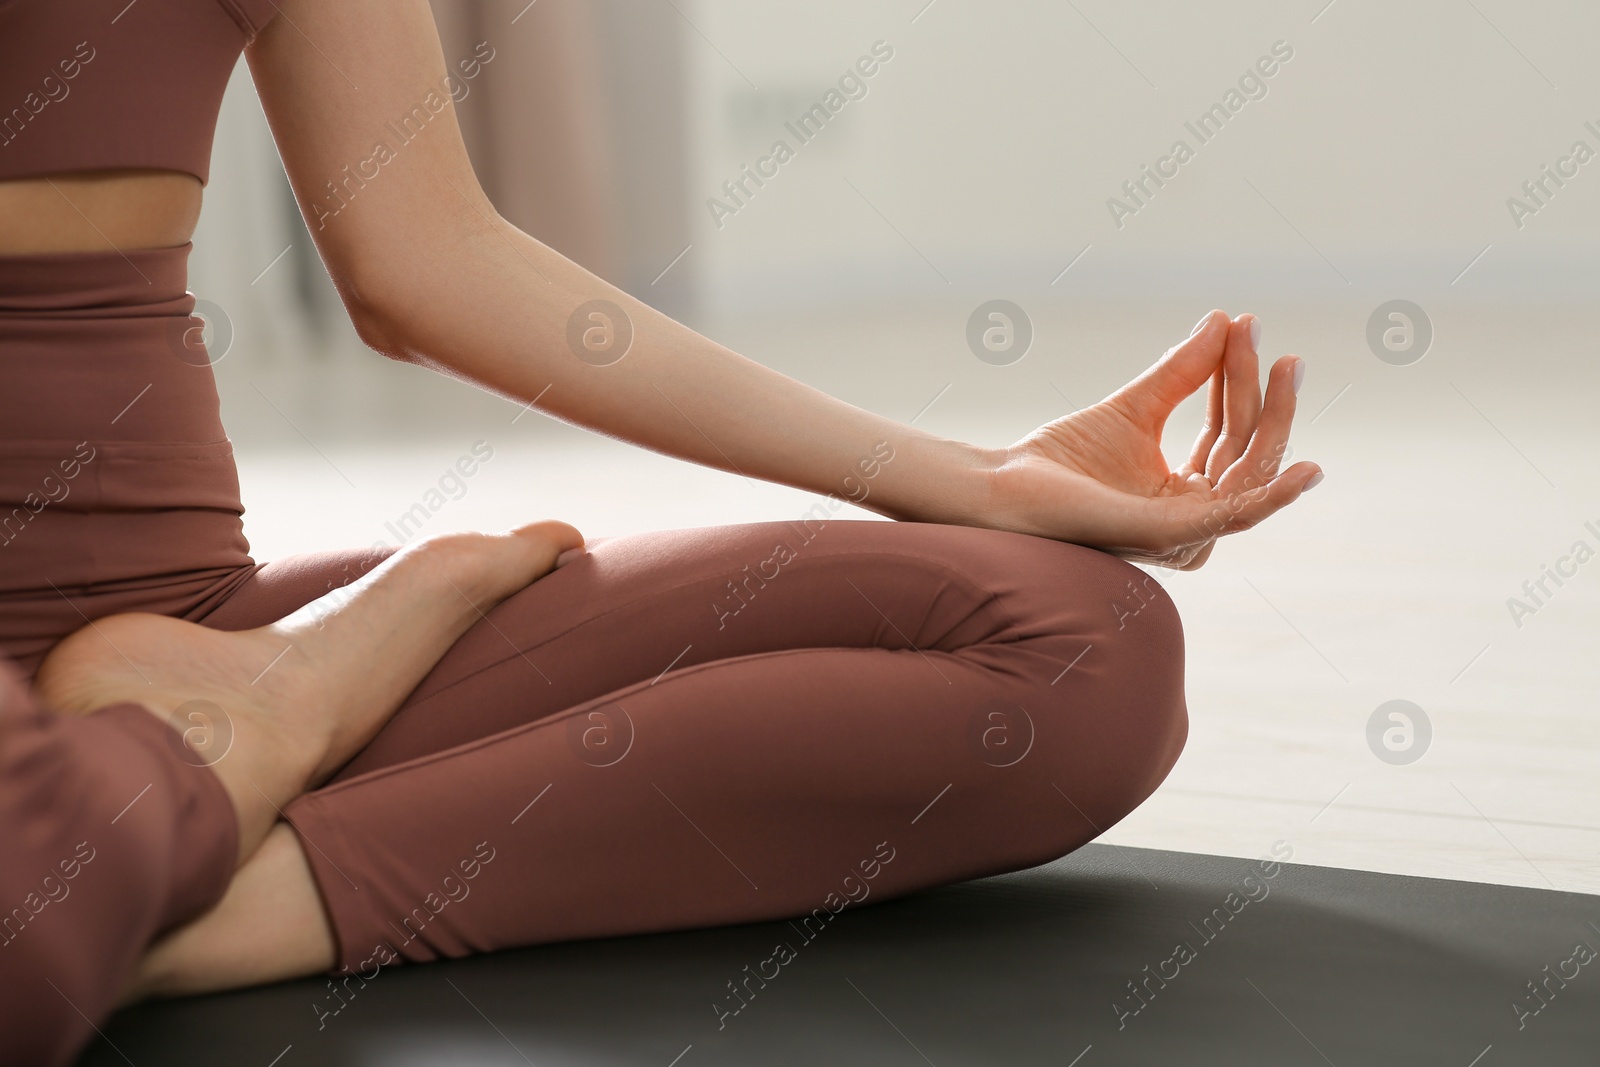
(98, 211)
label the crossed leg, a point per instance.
(118, 828)
(296, 697)
(725, 725)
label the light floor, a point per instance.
(1450, 483)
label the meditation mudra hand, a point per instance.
(1098, 476)
(302, 695)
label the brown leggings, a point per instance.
(734, 724)
(107, 839)
(681, 729)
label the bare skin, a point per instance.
(430, 274)
(98, 211)
(268, 927)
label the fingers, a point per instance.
(1241, 396)
(1185, 368)
(1213, 425)
(1259, 463)
(1276, 495)
(1235, 512)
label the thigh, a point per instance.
(637, 609)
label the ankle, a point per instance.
(269, 926)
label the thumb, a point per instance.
(1184, 369)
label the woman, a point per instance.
(348, 761)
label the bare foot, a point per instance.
(275, 710)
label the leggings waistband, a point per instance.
(118, 490)
(103, 346)
(73, 282)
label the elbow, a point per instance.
(378, 319)
(384, 320)
(380, 329)
(375, 299)
(391, 316)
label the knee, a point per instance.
(1073, 600)
(1143, 687)
(1118, 601)
(1120, 716)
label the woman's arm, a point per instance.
(357, 95)
(432, 275)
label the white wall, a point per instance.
(993, 139)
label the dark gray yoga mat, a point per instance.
(1310, 965)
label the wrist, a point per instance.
(1005, 492)
(942, 481)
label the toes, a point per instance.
(543, 544)
(550, 533)
(488, 567)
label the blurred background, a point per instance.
(1406, 194)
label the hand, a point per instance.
(1098, 477)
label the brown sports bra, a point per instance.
(101, 84)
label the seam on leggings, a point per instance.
(968, 583)
(614, 696)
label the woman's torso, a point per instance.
(117, 485)
(107, 113)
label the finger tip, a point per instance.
(1206, 322)
(1246, 327)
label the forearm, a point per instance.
(432, 275)
(496, 310)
